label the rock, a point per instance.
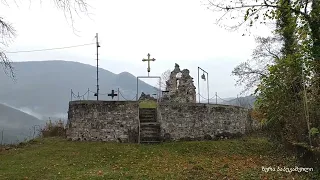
(180, 87)
(207, 137)
(146, 97)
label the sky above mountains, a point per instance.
(182, 32)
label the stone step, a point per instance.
(147, 112)
(147, 120)
(150, 133)
(149, 127)
(149, 130)
(152, 117)
(151, 124)
(147, 109)
(147, 115)
(141, 117)
(149, 139)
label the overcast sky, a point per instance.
(179, 31)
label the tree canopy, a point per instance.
(287, 76)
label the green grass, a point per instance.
(147, 104)
(55, 158)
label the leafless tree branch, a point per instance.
(69, 7)
(7, 32)
(248, 8)
(165, 76)
(250, 73)
(7, 65)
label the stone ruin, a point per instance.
(146, 97)
(180, 87)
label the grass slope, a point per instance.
(54, 158)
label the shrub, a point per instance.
(56, 129)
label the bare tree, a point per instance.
(165, 76)
(7, 31)
(247, 12)
(250, 73)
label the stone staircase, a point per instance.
(149, 127)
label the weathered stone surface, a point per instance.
(119, 121)
(180, 86)
(192, 121)
(103, 121)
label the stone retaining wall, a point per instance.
(195, 121)
(118, 120)
(102, 120)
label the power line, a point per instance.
(12, 52)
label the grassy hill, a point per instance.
(54, 158)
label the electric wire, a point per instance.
(227, 100)
(77, 96)
(120, 94)
(37, 50)
(127, 99)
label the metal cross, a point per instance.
(153, 59)
(112, 94)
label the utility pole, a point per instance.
(198, 85)
(238, 100)
(97, 42)
(216, 98)
(88, 94)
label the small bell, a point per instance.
(203, 77)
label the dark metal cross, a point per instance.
(112, 94)
(153, 59)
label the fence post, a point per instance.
(118, 94)
(2, 137)
(216, 98)
(88, 94)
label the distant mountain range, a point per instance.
(43, 88)
(247, 101)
